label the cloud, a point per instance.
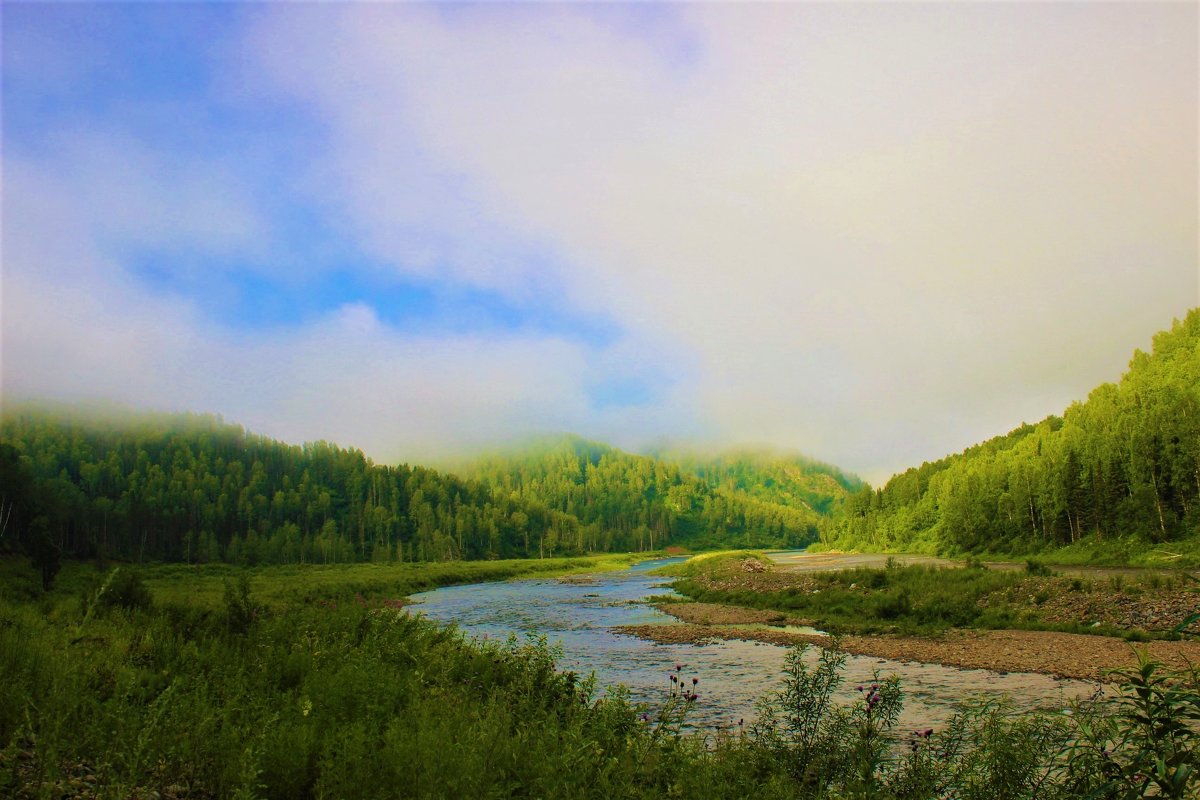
(883, 231)
(876, 233)
(79, 324)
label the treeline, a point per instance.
(771, 477)
(641, 502)
(1125, 463)
(193, 488)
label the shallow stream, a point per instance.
(579, 614)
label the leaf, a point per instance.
(1193, 618)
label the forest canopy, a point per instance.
(194, 488)
(1124, 464)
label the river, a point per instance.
(579, 616)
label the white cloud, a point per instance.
(77, 325)
(883, 231)
(875, 233)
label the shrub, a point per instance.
(1151, 746)
(1035, 567)
(892, 605)
(240, 611)
(947, 609)
(126, 590)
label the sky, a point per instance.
(875, 234)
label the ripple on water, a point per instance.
(733, 675)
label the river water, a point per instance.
(579, 614)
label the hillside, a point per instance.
(628, 501)
(769, 476)
(194, 488)
(1121, 470)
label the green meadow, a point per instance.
(924, 600)
(176, 682)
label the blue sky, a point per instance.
(871, 233)
(151, 74)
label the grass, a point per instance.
(703, 563)
(317, 688)
(1091, 551)
(292, 682)
(281, 586)
(914, 600)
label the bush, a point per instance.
(1151, 746)
(240, 612)
(946, 609)
(125, 589)
(1035, 567)
(893, 605)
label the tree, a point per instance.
(43, 553)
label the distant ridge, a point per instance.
(110, 482)
(646, 497)
(773, 476)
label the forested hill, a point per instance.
(769, 476)
(641, 500)
(1124, 465)
(193, 488)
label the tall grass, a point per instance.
(330, 699)
(350, 697)
(913, 599)
(908, 599)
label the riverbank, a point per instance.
(281, 585)
(116, 691)
(852, 594)
(1066, 655)
(833, 560)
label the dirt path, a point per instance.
(1069, 655)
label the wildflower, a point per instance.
(695, 681)
(674, 679)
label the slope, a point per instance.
(634, 502)
(787, 479)
(1121, 471)
(193, 488)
